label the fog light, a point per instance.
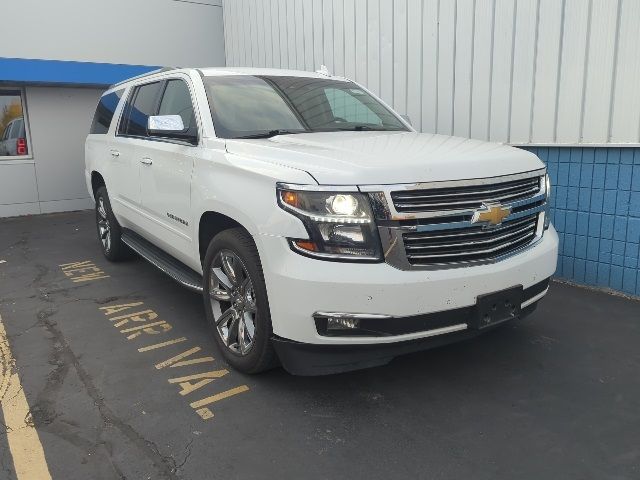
(342, 323)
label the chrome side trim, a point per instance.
(351, 315)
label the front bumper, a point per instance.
(299, 286)
(313, 359)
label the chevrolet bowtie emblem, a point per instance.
(491, 214)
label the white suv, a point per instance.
(322, 229)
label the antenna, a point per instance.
(323, 70)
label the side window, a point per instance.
(104, 112)
(140, 106)
(346, 106)
(177, 101)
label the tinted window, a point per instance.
(104, 112)
(244, 105)
(13, 137)
(177, 101)
(250, 105)
(346, 106)
(140, 106)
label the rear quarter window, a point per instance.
(104, 112)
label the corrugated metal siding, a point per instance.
(518, 71)
(596, 210)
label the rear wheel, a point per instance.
(109, 231)
(236, 304)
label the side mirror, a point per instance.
(164, 125)
(406, 119)
(170, 126)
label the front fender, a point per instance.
(245, 190)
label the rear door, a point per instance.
(132, 135)
(166, 168)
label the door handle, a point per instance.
(146, 161)
(115, 153)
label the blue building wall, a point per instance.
(596, 211)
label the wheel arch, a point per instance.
(212, 223)
(97, 181)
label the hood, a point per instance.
(374, 158)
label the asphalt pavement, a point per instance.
(123, 381)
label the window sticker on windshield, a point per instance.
(356, 91)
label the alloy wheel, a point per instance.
(104, 228)
(233, 302)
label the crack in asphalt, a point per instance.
(164, 464)
(42, 272)
(187, 455)
(44, 414)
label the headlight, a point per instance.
(340, 224)
(547, 190)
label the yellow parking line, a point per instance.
(26, 450)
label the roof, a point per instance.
(222, 71)
(214, 71)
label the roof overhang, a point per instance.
(67, 73)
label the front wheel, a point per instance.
(236, 304)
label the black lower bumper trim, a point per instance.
(321, 359)
(381, 327)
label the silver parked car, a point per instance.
(14, 139)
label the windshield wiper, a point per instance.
(272, 133)
(359, 128)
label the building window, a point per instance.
(13, 125)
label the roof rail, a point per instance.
(159, 70)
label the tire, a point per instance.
(109, 230)
(233, 272)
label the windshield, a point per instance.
(245, 106)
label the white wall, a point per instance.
(140, 32)
(53, 179)
(518, 71)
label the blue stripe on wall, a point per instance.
(596, 210)
(67, 72)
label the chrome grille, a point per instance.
(458, 245)
(465, 197)
(433, 225)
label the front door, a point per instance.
(165, 175)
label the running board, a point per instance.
(173, 267)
